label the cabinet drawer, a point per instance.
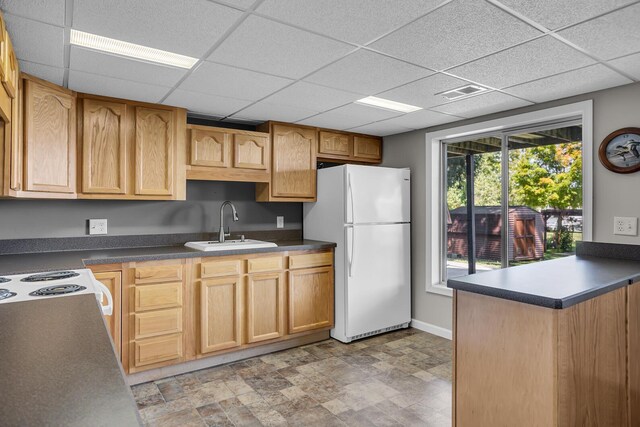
(152, 297)
(258, 265)
(158, 273)
(159, 349)
(221, 268)
(310, 260)
(158, 323)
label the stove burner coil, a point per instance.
(57, 290)
(46, 277)
(6, 294)
(4, 280)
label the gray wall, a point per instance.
(613, 194)
(199, 213)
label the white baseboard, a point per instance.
(432, 329)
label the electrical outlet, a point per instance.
(279, 222)
(97, 226)
(625, 226)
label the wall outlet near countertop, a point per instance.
(97, 226)
(625, 226)
(279, 222)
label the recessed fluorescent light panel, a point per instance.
(386, 104)
(131, 50)
(463, 91)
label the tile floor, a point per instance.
(402, 378)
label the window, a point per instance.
(502, 190)
(511, 197)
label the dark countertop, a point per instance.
(46, 261)
(558, 283)
(59, 367)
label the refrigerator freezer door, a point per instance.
(377, 195)
(377, 277)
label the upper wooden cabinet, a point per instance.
(293, 164)
(155, 152)
(49, 138)
(367, 148)
(104, 147)
(130, 150)
(221, 154)
(334, 145)
(343, 147)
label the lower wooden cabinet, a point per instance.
(180, 310)
(265, 307)
(310, 299)
(220, 314)
(113, 281)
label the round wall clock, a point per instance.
(620, 151)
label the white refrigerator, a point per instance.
(366, 211)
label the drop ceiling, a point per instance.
(307, 61)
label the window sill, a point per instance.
(440, 289)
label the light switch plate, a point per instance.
(625, 226)
(97, 226)
(279, 222)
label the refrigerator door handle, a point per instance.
(350, 191)
(351, 239)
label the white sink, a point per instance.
(230, 245)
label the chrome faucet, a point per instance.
(221, 233)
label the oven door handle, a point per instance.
(107, 310)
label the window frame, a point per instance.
(581, 112)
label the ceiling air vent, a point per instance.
(463, 91)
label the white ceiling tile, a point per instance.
(383, 128)
(203, 103)
(45, 72)
(36, 42)
(421, 119)
(242, 4)
(123, 68)
(223, 80)
(422, 93)
(307, 95)
(49, 11)
(609, 36)
(457, 32)
(117, 88)
(590, 79)
(355, 21)
(349, 116)
(262, 45)
(187, 27)
(629, 64)
(264, 111)
(529, 61)
(479, 105)
(555, 14)
(367, 73)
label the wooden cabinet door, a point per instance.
(17, 148)
(334, 144)
(49, 138)
(220, 314)
(310, 299)
(294, 162)
(104, 148)
(633, 350)
(155, 146)
(10, 67)
(250, 152)
(366, 148)
(113, 281)
(210, 148)
(265, 307)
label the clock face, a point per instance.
(623, 151)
